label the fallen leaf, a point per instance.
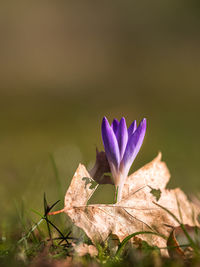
(100, 168)
(178, 244)
(173, 247)
(136, 212)
(83, 249)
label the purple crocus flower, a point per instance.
(121, 147)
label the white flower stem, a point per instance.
(119, 179)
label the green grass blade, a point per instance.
(36, 212)
(126, 239)
(24, 238)
(56, 173)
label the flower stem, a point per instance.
(116, 193)
(119, 193)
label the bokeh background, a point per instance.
(66, 64)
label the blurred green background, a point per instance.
(64, 65)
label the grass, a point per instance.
(52, 246)
(50, 241)
(44, 243)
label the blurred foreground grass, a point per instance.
(52, 244)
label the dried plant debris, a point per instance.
(100, 168)
(177, 242)
(83, 249)
(139, 210)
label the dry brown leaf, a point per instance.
(100, 168)
(174, 249)
(82, 249)
(136, 211)
(177, 242)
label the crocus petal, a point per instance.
(110, 144)
(132, 128)
(122, 136)
(133, 145)
(115, 125)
